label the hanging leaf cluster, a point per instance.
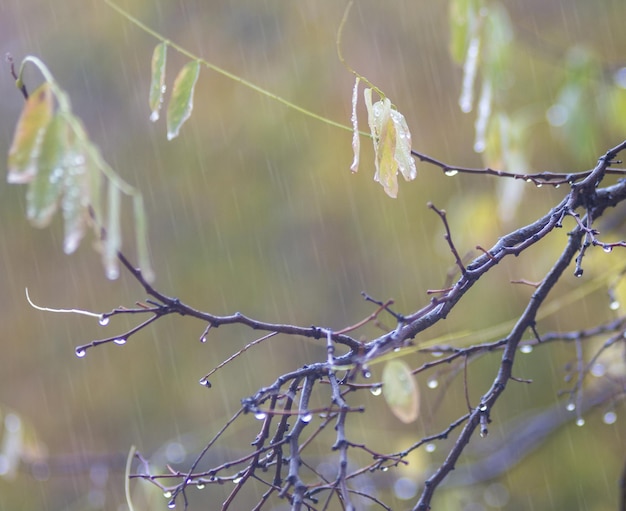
(180, 104)
(52, 154)
(391, 138)
(481, 37)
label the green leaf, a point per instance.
(141, 230)
(157, 82)
(29, 132)
(498, 61)
(113, 240)
(401, 391)
(44, 191)
(181, 100)
(464, 22)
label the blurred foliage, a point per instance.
(253, 208)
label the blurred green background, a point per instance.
(253, 209)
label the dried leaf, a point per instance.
(181, 101)
(29, 133)
(157, 81)
(401, 391)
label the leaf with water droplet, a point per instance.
(157, 80)
(181, 101)
(401, 391)
(29, 133)
(45, 189)
(76, 194)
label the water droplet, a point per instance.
(205, 383)
(306, 418)
(203, 339)
(376, 390)
(526, 348)
(432, 383)
(557, 185)
(384, 469)
(608, 249)
(451, 172)
(366, 373)
(167, 494)
(598, 370)
(614, 305)
(154, 116)
(120, 341)
(431, 447)
(609, 417)
(200, 486)
(237, 480)
(171, 505)
(482, 407)
(580, 422)
(557, 115)
(437, 354)
(570, 407)
(112, 273)
(81, 352)
(539, 185)
(104, 320)
(528, 180)
(483, 433)
(260, 415)
(578, 273)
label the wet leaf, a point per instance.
(402, 155)
(76, 195)
(181, 101)
(483, 116)
(392, 144)
(157, 81)
(45, 189)
(141, 230)
(29, 132)
(18, 442)
(356, 137)
(401, 391)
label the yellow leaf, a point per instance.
(392, 144)
(31, 127)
